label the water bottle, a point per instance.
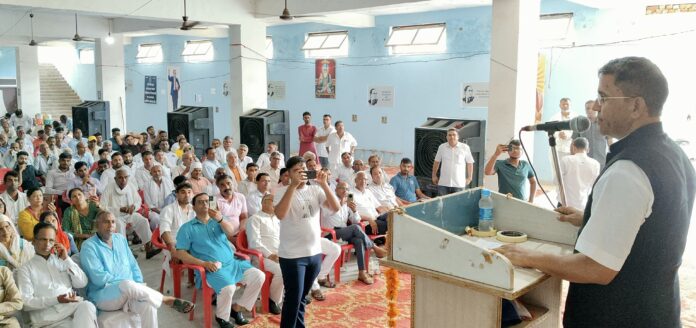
(485, 211)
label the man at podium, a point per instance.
(634, 228)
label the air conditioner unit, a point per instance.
(261, 126)
(92, 117)
(196, 123)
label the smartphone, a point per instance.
(311, 174)
(212, 204)
(350, 197)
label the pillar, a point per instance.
(513, 75)
(28, 83)
(111, 77)
(247, 70)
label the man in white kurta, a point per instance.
(339, 142)
(121, 198)
(155, 191)
(172, 217)
(579, 173)
(47, 282)
(263, 235)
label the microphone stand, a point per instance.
(559, 177)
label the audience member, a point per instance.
(307, 132)
(90, 186)
(185, 167)
(78, 219)
(563, 138)
(27, 173)
(263, 186)
(61, 237)
(369, 207)
(344, 172)
(383, 191)
(29, 217)
(244, 160)
(230, 203)
(273, 169)
(579, 173)
(59, 179)
(232, 168)
(175, 215)
(156, 190)
(15, 200)
(320, 139)
(513, 172)
(44, 161)
(198, 181)
(204, 241)
(263, 235)
(15, 251)
(107, 177)
(224, 150)
(121, 197)
(339, 142)
(457, 165)
(406, 185)
(210, 164)
(597, 142)
(297, 207)
(48, 282)
(10, 299)
(115, 280)
(265, 158)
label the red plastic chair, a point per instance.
(372, 237)
(4, 171)
(243, 247)
(345, 250)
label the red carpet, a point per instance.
(353, 304)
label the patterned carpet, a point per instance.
(353, 304)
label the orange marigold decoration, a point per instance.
(392, 276)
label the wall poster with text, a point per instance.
(380, 96)
(325, 78)
(150, 89)
(474, 94)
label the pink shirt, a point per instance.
(307, 133)
(200, 185)
(231, 210)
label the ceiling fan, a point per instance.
(78, 37)
(186, 25)
(32, 43)
(286, 14)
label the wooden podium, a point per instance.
(457, 281)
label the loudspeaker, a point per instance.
(261, 126)
(92, 117)
(196, 123)
(433, 133)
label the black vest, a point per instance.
(645, 293)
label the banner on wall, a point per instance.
(325, 78)
(150, 89)
(174, 86)
(276, 90)
(380, 96)
(474, 94)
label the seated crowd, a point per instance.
(72, 207)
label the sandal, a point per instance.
(183, 306)
(327, 283)
(366, 279)
(318, 295)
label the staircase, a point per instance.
(57, 97)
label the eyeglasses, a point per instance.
(601, 100)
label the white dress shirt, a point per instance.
(339, 145)
(246, 187)
(13, 207)
(57, 181)
(143, 177)
(344, 174)
(579, 172)
(384, 194)
(41, 281)
(366, 203)
(209, 168)
(253, 202)
(156, 193)
(246, 160)
(339, 219)
(608, 236)
(274, 174)
(263, 233)
(321, 146)
(173, 217)
(265, 159)
(453, 161)
(43, 164)
(221, 153)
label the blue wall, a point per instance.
(424, 85)
(195, 78)
(8, 63)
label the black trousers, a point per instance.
(298, 276)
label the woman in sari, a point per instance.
(78, 219)
(61, 237)
(14, 250)
(29, 217)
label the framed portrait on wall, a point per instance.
(174, 86)
(325, 78)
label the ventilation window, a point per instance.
(198, 51)
(556, 30)
(417, 39)
(326, 44)
(269, 48)
(86, 56)
(149, 53)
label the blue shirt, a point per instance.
(405, 187)
(513, 180)
(107, 266)
(208, 242)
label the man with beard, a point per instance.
(27, 173)
(406, 185)
(89, 185)
(15, 200)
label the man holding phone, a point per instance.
(47, 281)
(512, 172)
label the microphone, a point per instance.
(577, 124)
